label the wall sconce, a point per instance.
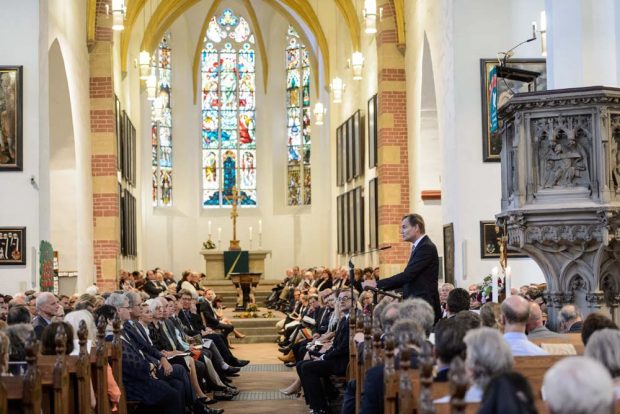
(118, 15)
(319, 113)
(370, 16)
(144, 60)
(356, 63)
(543, 33)
(337, 86)
(151, 88)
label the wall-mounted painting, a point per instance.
(448, 253)
(339, 158)
(372, 132)
(373, 213)
(12, 245)
(492, 144)
(489, 241)
(11, 114)
(358, 137)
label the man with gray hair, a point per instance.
(389, 315)
(419, 310)
(570, 319)
(515, 314)
(47, 307)
(578, 385)
(535, 327)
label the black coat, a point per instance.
(420, 277)
(153, 288)
(210, 316)
(338, 354)
(193, 324)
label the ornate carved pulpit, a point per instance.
(561, 191)
(246, 284)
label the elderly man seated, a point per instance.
(515, 314)
(570, 319)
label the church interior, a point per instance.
(284, 159)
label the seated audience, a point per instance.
(604, 346)
(535, 328)
(595, 322)
(569, 319)
(444, 290)
(578, 385)
(508, 393)
(449, 335)
(491, 315)
(48, 338)
(458, 300)
(47, 307)
(515, 314)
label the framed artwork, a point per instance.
(345, 223)
(448, 253)
(373, 213)
(350, 149)
(352, 221)
(339, 224)
(372, 131)
(489, 243)
(12, 246)
(119, 130)
(11, 118)
(339, 155)
(358, 142)
(359, 220)
(492, 144)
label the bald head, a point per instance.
(515, 311)
(535, 320)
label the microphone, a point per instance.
(369, 251)
(382, 292)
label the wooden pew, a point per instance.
(573, 339)
(23, 393)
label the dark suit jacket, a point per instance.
(153, 288)
(210, 317)
(420, 277)
(193, 324)
(338, 354)
(38, 324)
(137, 339)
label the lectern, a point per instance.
(246, 284)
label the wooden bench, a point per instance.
(573, 339)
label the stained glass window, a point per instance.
(298, 117)
(161, 128)
(228, 63)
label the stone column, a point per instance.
(392, 144)
(106, 234)
(583, 47)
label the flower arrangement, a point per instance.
(485, 289)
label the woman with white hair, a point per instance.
(604, 346)
(488, 355)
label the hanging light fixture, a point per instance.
(370, 16)
(144, 61)
(319, 113)
(357, 65)
(337, 86)
(543, 33)
(151, 87)
(118, 15)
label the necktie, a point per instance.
(189, 320)
(165, 329)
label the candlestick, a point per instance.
(209, 228)
(250, 233)
(260, 227)
(219, 237)
(508, 281)
(494, 286)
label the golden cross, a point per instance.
(233, 214)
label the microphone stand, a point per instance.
(353, 312)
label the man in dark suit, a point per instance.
(152, 286)
(47, 307)
(211, 319)
(420, 277)
(333, 362)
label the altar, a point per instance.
(214, 262)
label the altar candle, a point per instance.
(209, 227)
(494, 286)
(250, 232)
(260, 226)
(219, 234)
(508, 281)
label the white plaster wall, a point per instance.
(65, 23)
(20, 206)
(459, 34)
(172, 238)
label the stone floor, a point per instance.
(261, 381)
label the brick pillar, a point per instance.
(393, 159)
(106, 222)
